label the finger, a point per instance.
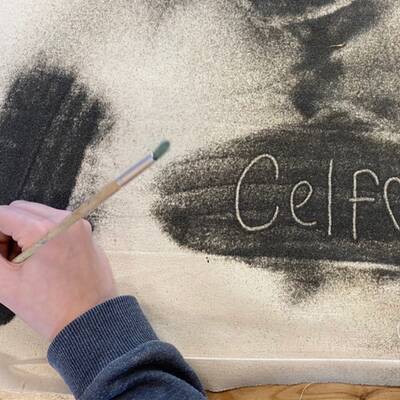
(41, 210)
(23, 226)
(13, 220)
(50, 213)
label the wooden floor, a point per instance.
(274, 392)
(311, 392)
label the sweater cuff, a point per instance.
(96, 338)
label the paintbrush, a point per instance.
(93, 202)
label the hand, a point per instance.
(65, 278)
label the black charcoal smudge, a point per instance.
(47, 122)
(196, 207)
(321, 37)
(321, 34)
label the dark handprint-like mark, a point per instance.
(47, 122)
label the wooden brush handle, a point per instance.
(89, 205)
(81, 212)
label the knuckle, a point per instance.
(83, 227)
(86, 225)
(42, 227)
(33, 231)
(60, 215)
(16, 202)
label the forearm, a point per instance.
(112, 352)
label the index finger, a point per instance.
(41, 210)
(24, 227)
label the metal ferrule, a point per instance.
(135, 170)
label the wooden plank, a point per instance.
(311, 392)
(271, 392)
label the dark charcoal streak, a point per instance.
(197, 205)
(47, 122)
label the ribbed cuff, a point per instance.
(96, 338)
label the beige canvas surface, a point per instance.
(199, 75)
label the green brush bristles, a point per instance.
(160, 150)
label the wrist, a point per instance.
(96, 338)
(73, 312)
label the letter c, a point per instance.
(246, 170)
